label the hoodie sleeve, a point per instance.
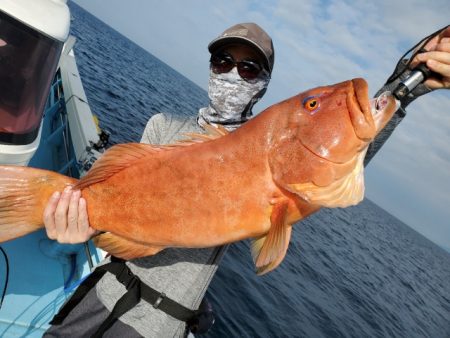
(155, 128)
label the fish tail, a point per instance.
(24, 193)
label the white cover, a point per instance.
(19, 154)
(50, 17)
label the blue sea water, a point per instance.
(354, 272)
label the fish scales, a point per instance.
(301, 154)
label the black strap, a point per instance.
(129, 300)
(136, 290)
(158, 299)
(78, 295)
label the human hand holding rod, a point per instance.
(431, 65)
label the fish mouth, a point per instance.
(359, 109)
(382, 109)
(361, 98)
(369, 116)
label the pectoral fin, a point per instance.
(268, 251)
(124, 248)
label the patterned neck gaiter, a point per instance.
(231, 99)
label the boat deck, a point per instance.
(43, 273)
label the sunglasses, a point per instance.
(223, 63)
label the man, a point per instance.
(241, 63)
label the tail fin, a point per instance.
(24, 192)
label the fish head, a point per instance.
(320, 140)
(317, 143)
(335, 122)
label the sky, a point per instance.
(316, 43)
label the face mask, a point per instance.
(231, 99)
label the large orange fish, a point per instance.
(295, 157)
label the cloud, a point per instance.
(421, 141)
(410, 19)
(299, 15)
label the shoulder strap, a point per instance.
(129, 300)
(78, 295)
(136, 290)
(158, 299)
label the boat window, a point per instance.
(28, 61)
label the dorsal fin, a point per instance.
(212, 132)
(122, 156)
(115, 159)
(216, 130)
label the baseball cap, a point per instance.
(251, 34)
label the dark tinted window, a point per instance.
(28, 60)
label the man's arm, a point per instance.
(154, 129)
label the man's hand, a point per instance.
(66, 219)
(437, 58)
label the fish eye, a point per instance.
(311, 103)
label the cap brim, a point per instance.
(226, 40)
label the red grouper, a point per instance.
(293, 158)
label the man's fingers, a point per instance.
(72, 215)
(83, 221)
(439, 67)
(441, 56)
(49, 215)
(66, 219)
(61, 212)
(438, 62)
(443, 69)
(434, 84)
(442, 37)
(443, 46)
(445, 33)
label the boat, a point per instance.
(45, 122)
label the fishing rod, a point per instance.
(418, 75)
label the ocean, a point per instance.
(354, 272)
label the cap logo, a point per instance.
(239, 32)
